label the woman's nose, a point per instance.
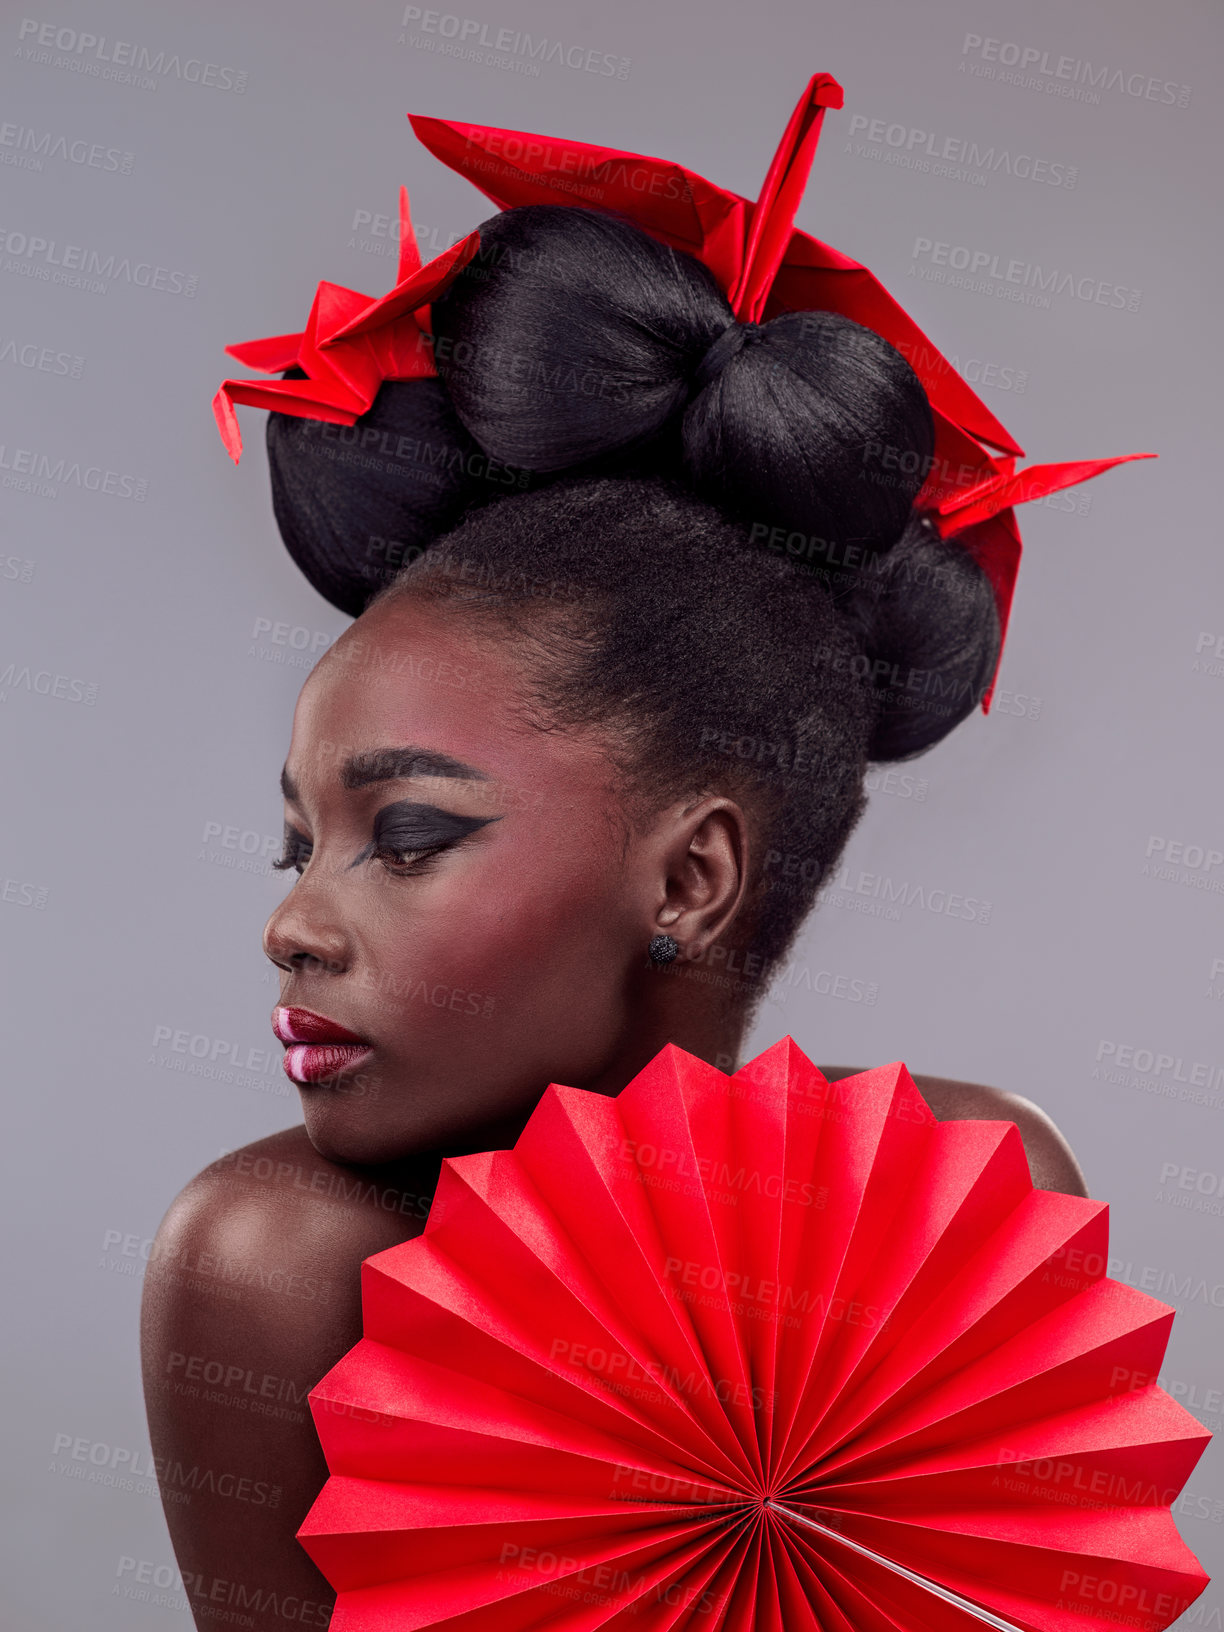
(304, 933)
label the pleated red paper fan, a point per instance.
(759, 1352)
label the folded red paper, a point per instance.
(756, 1352)
(762, 262)
(350, 345)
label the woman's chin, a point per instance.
(359, 1132)
(373, 1129)
(352, 1132)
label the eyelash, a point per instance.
(292, 854)
(403, 863)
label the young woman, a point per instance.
(530, 843)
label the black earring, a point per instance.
(663, 949)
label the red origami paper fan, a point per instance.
(759, 1352)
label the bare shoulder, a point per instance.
(262, 1247)
(280, 1196)
(1051, 1160)
(252, 1294)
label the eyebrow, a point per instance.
(392, 765)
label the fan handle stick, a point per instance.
(954, 1598)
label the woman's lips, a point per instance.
(316, 1048)
(293, 1025)
(320, 1062)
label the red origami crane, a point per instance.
(757, 256)
(351, 344)
(752, 1354)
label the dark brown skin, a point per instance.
(539, 918)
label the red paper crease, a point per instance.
(615, 1347)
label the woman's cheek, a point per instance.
(498, 931)
(519, 906)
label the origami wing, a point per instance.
(982, 517)
(350, 345)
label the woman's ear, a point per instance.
(703, 873)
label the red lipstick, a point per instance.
(316, 1048)
(304, 1026)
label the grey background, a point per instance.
(127, 914)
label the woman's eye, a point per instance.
(296, 854)
(409, 836)
(403, 861)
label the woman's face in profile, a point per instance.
(469, 903)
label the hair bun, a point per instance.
(571, 335)
(574, 335)
(927, 622)
(354, 503)
(820, 427)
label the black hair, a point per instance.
(738, 587)
(354, 503)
